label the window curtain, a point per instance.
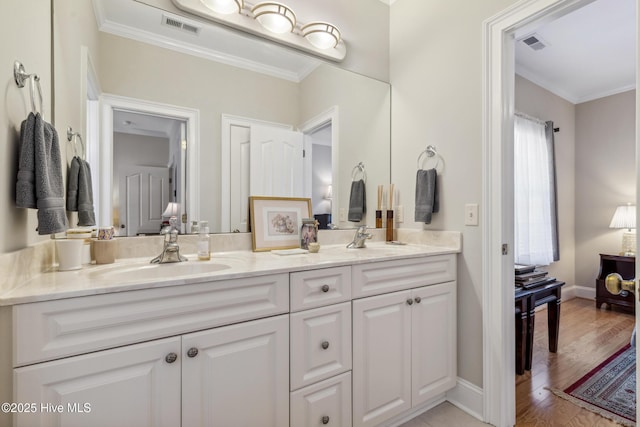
(536, 218)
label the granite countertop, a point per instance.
(137, 274)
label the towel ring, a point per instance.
(430, 151)
(20, 76)
(358, 168)
(75, 137)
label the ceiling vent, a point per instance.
(174, 22)
(535, 42)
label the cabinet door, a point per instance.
(325, 403)
(433, 329)
(320, 344)
(129, 386)
(237, 375)
(381, 358)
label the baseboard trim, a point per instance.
(468, 397)
(583, 292)
(408, 416)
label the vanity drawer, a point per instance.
(54, 329)
(325, 403)
(389, 276)
(315, 288)
(320, 344)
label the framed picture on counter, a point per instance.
(276, 221)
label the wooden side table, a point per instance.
(624, 266)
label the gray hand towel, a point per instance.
(357, 201)
(25, 185)
(86, 215)
(427, 201)
(72, 184)
(49, 186)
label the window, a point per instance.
(536, 223)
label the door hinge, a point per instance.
(304, 153)
(505, 249)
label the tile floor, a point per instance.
(444, 415)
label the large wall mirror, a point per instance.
(169, 119)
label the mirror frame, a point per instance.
(191, 116)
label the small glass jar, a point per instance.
(308, 232)
(195, 227)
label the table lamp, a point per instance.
(625, 217)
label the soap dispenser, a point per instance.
(204, 252)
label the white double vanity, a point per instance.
(362, 337)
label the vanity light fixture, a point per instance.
(275, 17)
(225, 7)
(322, 35)
(273, 21)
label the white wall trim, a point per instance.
(498, 75)
(468, 397)
(191, 116)
(579, 292)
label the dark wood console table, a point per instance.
(526, 301)
(624, 266)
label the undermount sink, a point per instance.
(158, 271)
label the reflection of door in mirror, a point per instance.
(148, 168)
(318, 153)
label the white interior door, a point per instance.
(239, 184)
(276, 157)
(145, 193)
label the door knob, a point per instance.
(192, 352)
(410, 301)
(325, 345)
(616, 285)
(171, 357)
(325, 288)
(418, 299)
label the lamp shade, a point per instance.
(624, 217)
(173, 209)
(321, 34)
(275, 17)
(224, 6)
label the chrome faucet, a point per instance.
(171, 250)
(360, 238)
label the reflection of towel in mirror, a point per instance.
(427, 201)
(80, 192)
(357, 201)
(86, 215)
(72, 184)
(40, 175)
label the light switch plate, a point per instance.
(471, 214)
(400, 213)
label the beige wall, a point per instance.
(605, 171)
(26, 37)
(535, 101)
(436, 79)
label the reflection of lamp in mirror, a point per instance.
(275, 17)
(329, 196)
(172, 211)
(625, 217)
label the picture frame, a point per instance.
(276, 221)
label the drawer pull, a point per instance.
(325, 288)
(418, 299)
(325, 420)
(325, 345)
(192, 352)
(410, 301)
(171, 357)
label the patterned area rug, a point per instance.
(609, 389)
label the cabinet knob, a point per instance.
(325, 420)
(325, 345)
(418, 299)
(410, 301)
(171, 357)
(192, 352)
(325, 288)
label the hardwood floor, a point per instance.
(587, 337)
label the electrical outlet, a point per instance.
(400, 213)
(343, 214)
(471, 214)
